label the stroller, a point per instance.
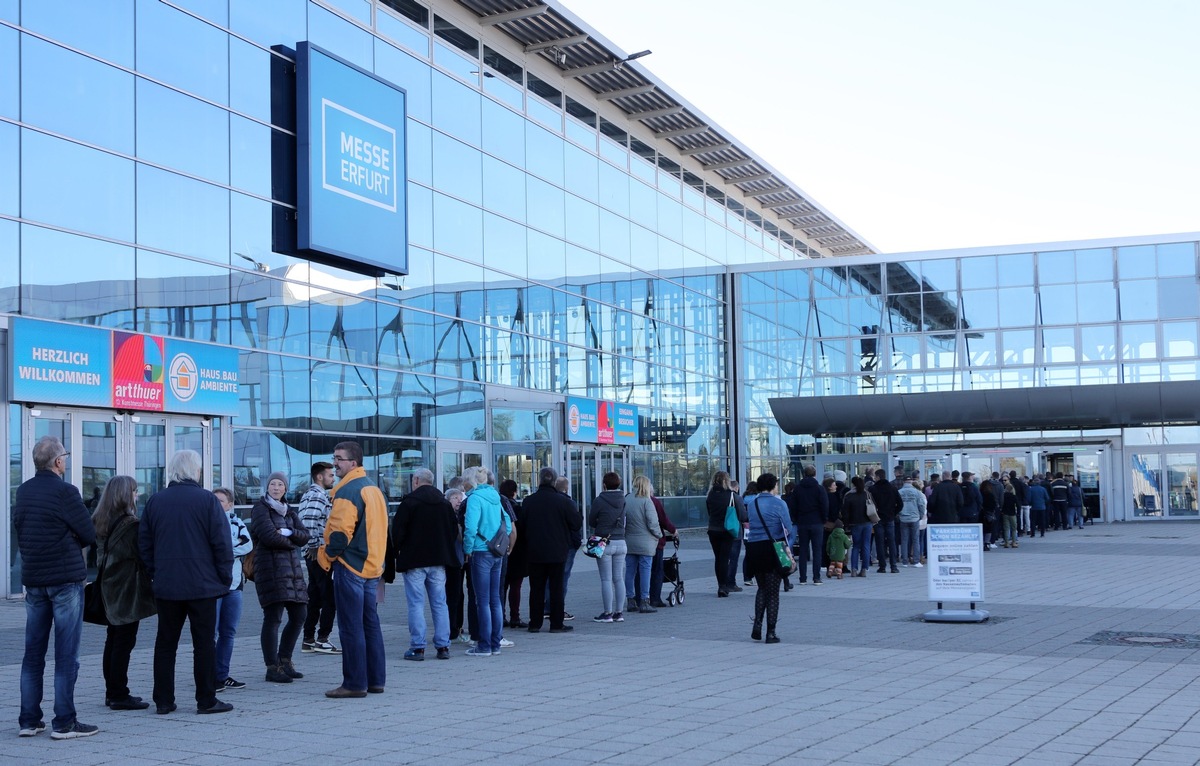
(671, 575)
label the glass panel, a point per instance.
(1135, 262)
(10, 157)
(1139, 299)
(1146, 483)
(1138, 342)
(182, 215)
(504, 133)
(980, 308)
(179, 132)
(1018, 346)
(1058, 304)
(104, 29)
(343, 398)
(1177, 298)
(1094, 265)
(267, 22)
(1181, 484)
(456, 109)
(182, 298)
(10, 277)
(452, 466)
(503, 189)
(339, 36)
(407, 72)
(76, 278)
(204, 70)
(98, 459)
(1098, 344)
(1058, 345)
(98, 199)
(1056, 268)
(1177, 260)
(150, 459)
(401, 32)
(457, 169)
(1097, 302)
(100, 109)
(1179, 339)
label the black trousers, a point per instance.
(277, 646)
(201, 615)
(721, 543)
(809, 539)
(118, 645)
(539, 575)
(321, 610)
(454, 599)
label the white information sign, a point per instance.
(955, 562)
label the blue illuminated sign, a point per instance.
(351, 153)
(83, 366)
(601, 422)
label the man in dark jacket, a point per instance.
(888, 503)
(945, 501)
(552, 524)
(185, 543)
(53, 527)
(810, 504)
(425, 534)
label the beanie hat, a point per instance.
(281, 476)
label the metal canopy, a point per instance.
(1012, 409)
(549, 30)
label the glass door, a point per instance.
(456, 457)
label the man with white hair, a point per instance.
(425, 533)
(185, 543)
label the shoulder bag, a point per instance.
(499, 545)
(595, 546)
(872, 511)
(787, 565)
(733, 525)
(93, 600)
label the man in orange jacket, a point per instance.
(355, 548)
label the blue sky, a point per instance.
(928, 124)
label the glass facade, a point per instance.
(549, 249)
(936, 322)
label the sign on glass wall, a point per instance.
(82, 366)
(352, 172)
(601, 422)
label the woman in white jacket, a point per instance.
(642, 534)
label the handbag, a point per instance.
(499, 544)
(733, 525)
(93, 603)
(872, 511)
(787, 565)
(595, 546)
(248, 565)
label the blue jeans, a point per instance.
(637, 566)
(910, 542)
(417, 584)
(363, 660)
(62, 606)
(612, 576)
(485, 575)
(860, 549)
(229, 614)
(1075, 516)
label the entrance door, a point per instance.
(586, 466)
(105, 443)
(456, 457)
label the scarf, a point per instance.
(275, 505)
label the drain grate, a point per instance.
(1151, 640)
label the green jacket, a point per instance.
(837, 545)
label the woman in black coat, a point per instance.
(278, 537)
(124, 588)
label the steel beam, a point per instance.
(520, 13)
(667, 112)
(626, 92)
(706, 149)
(562, 42)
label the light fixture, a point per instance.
(620, 63)
(559, 56)
(487, 75)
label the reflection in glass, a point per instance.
(1177, 298)
(1176, 260)
(179, 132)
(339, 36)
(64, 276)
(103, 29)
(456, 109)
(1057, 304)
(182, 298)
(1136, 262)
(1181, 484)
(344, 398)
(182, 215)
(204, 71)
(1179, 339)
(1146, 484)
(1138, 341)
(100, 108)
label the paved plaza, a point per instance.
(1092, 656)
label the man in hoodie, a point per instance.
(424, 533)
(355, 549)
(810, 506)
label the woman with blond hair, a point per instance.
(642, 533)
(720, 497)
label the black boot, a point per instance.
(756, 634)
(771, 637)
(787, 584)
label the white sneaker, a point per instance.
(505, 643)
(463, 638)
(919, 565)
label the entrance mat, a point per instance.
(993, 617)
(1139, 638)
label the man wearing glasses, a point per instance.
(355, 549)
(53, 527)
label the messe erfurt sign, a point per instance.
(351, 155)
(84, 366)
(592, 421)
